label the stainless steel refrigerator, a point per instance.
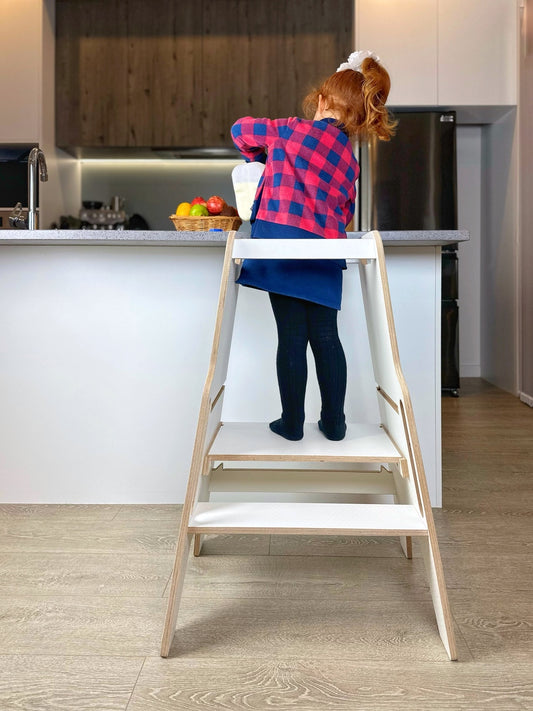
(410, 183)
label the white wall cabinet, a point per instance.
(27, 63)
(444, 52)
(477, 52)
(404, 35)
(20, 71)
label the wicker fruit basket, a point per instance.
(195, 224)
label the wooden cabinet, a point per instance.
(443, 52)
(132, 73)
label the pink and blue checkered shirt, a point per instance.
(310, 172)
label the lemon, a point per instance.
(183, 209)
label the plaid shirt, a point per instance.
(310, 172)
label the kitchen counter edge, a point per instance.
(168, 238)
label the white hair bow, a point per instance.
(356, 59)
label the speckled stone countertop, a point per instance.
(169, 238)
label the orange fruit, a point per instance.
(183, 209)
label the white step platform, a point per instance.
(307, 518)
(247, 441)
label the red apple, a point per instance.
(198, 201)
(215, 204)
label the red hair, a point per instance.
(358, 99)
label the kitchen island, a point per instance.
(106, 341)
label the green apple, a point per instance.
(198, 210)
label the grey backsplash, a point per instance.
(153, 189)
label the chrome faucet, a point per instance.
(36, 164)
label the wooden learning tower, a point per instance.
(382, 458)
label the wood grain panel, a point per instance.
(131, 74)
(226, 67)
(67, 75)
(91, 73)
(103, 90)
(164, 73)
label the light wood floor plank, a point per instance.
(150, 512)
(289, 628)
(334, 684)
(79, 625)
(488, 531)
(497, 629)
(306, 578)
(59, 512)
(253, 545)
(364, 546)
(67, 683)
(84, 573)
(146, 536)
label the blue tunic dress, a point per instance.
(316, 280)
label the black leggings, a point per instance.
(301, 322)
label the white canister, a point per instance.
(246, 178)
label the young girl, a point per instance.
(308, 191)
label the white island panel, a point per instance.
(105, 350)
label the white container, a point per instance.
(246, 178)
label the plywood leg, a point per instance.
(406, 543)
(203, 495)
(176, 586)
(197, 544)
(439, 595)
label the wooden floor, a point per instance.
(282, 623)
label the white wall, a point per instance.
(499, 253)
(469, 218)
(526, 208)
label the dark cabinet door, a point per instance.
(179, 72)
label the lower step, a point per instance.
(308, 518)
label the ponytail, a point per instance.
(375, 89)
(357, 96)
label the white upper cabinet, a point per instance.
(478, 52)
(20, 71)
(443, 52)
(404, 35)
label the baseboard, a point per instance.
(527, 399)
